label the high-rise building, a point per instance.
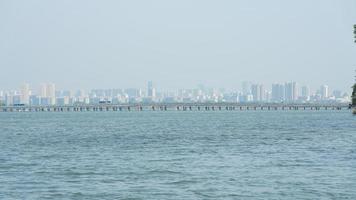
(324, 91)
(151, 91)
(48, 92)
(255, 92)
(2, 98)
(246, 88)
(9, 100)
(51, 93)
(62, 100)
(80, 93)
(25, 94)
(43, 90)
(258, 92)
(262, 93)
(133, 92)
(35, 100)
(337, 93)
(278, 92)
(305, 93)
(268, 95)
(291, 91)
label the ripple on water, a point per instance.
(178, 155)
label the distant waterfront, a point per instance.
(176, 106)
(288, 92)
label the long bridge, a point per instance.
(174, 106)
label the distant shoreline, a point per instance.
(176, 106)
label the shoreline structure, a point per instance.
(176, 106)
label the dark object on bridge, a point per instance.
(355, 33)
(19, 104)
(354, 95)
(104, 102)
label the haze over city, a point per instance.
(123, 44)
(289, 92)
(185, 99)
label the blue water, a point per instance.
(178, 155)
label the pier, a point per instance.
(174, 107)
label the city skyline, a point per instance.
(49, 94)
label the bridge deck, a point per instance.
(173, 106)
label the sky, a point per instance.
(177, 44)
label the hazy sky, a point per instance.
(176, 44)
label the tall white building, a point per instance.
(246, 88)
(258, 92)
(305, 93)
(291, 91)
(51, 92)
(9, 99)
(255, 92)
(48, 93)
(263, 93)
(151, 91)
(324, 91)
(25, 94)
(43, 90)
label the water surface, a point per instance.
(178, 155)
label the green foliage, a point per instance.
(355, 32)
(354, 95)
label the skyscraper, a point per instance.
(305, 93)
(278, 92)
(25, 94)
(291, 91)
(262, 93)
(151, 91)
(258, 92)
(255, 92)
(51, 93)
(246, 88)
(337, 93)
(48, 93)
(324, 91)
(43, 90)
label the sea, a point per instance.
(178, 155)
